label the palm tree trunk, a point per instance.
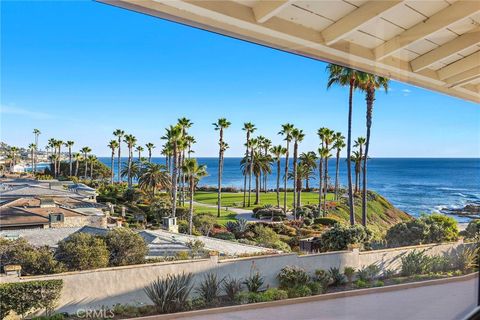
(76, 167)
(299, 193)
(129, 172)
(320, 185)
(326, 186)
(349, 150)
(184, 191)
(278, 182)
(33, 159)
(336, 174)
(295, 151)
(250, 177)
(112, 166)
(285, 181)
(91, 169)
(257, 189)
(119, 161)
(190, 216)
(86, 166)
(174, 180)
(149, 155)
(220, 156)
(70, 160)
(370, 99)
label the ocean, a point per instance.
(414, 185)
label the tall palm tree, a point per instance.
(249, 128)
(78, 158)
(359, 143)
(85, 151)
(154, 177)
(261, 164)
(139, 149)
(338, 145)
(267, 143)
(308, 162)
(113, 145)
(286, 132)
(69, 145)
(119, 134)
(297, 137)
(357, 162)
(53, 159)
(252, 145)
(36, 133)
(32, 147)
(278, 152)
(346, 77)
(220, 126)
(370, 83)
(174, 136)
(328, 140)
(194, 173)
(51, 144)
(185, 124)
(150, 146)
(130, 140)
(190, 142)
(92, 160)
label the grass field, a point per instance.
(236, 199)
(225, 216)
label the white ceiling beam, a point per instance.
(356, 19)
(464, 77)
(266, 9)
(460, 10)
(459, 66)
(465, 41)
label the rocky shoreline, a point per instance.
(471, 210)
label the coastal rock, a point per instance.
(469, 210)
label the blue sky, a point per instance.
(78, 70)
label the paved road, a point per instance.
(440, 302)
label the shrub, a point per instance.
(182, 255)
(466, 259)
(209, 289)
(359, 283)
(204, 223)
(82, 251)
(292, 276)
(126, 247)
(25, 297)
(340, 237)
(337, 277)
(324, 221)
(472, 232)
(224, 236)
(324, 278)
(249, 297)
(266, 237)
(439, 264)
(388, 273)
(170, 294)
(307, 221)
(432, 228)
(368, 273)
(315, 287)
(232, 286)
(414, 263)
(196, 247)
(299, 291)
(254, 281)
(378, 283)
(273, 294)
(349, 273)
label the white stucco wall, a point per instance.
(124, 285)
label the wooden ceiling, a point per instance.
(434, 44)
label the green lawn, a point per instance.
(225, 216)
(236, 199)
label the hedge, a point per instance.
(30, 296)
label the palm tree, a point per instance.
(369, 84)
(267, 143)
(185, 124)
(78, 158)
(154, 177)
(346, 77)
(92, 160)
(308, 162)
(139, 149)
(297, 136)
(130, 140)
(85, 151)
(261, 164)
(328, 139)
(150, 146)
(357, 161)
(253, 144)
(174, 136)
(338, 145)
(53, 159)
(220, 125)
(249, 128)
(69, 145)
(119, 134)
(134, 170)
(287, 133)
(113, 145)
(51, 144)
(359, 143)
(32, 147)
(278, 152)
(194, 173)
(190, 142)
(36, 132)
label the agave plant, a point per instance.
(337, 277)
(254, 282)
(209, 289)
(466, 259)
(170, 294)
(232, 286)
